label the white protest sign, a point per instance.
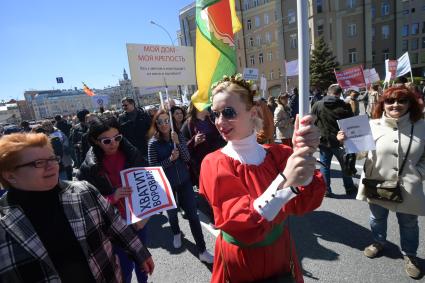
(250, 74)
(358, 134)
(153, 65)
(100, 101)
(151, 192)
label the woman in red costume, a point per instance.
(252, 189)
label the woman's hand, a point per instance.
(299, 167)
(175, 137)
(199, 138)
(174, 154)
(122, 192)
(341, 137)
(308, 135)
(148, 266)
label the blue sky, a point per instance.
(77, 40)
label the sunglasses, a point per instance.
(41, 163)
(393, 100)
(228, 113)
(107, 141)
(162, 122)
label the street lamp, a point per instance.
(161, 27)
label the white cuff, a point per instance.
(271, 201)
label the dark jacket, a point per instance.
(135, 130)
(328, 111)
(91, 169)
(159, 152)
(64, 126)
(79, 139)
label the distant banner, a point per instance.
(370, 76)
(155, 65)
(403, 65)
(391, 67)
(350, 77)
(100, 101)
(291, 68)
(250, 74)
(151, 192)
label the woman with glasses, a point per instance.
(109, 155)
(396, 114)
(179, 116)
(283, 121)
(168, 149)
(253, 188)
(54, 231)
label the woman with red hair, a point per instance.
(399, 135)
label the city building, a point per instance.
(9, 113)
(25, 109)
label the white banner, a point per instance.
(155, 65)
(151, 192)
(403, 65)
(370, 76)
(291, 68)
(263, 83)
(100, 101)
(250, 74)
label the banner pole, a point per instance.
(303, 57)
(411, 74)
(169, 109)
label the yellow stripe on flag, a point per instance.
(236, 24)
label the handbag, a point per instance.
(387, 190)
(287, 277)
(349, 164)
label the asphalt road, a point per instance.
(330, 243)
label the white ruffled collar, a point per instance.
(246, 151)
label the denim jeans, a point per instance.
(187, 201)
(326, 154)
(408, 224)
(128, 265)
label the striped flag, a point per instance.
(216, 23)
(87, 90)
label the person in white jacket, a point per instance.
(397, 112)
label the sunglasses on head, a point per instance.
(228, 113)
(393, 100)
(163, 122)
(107, 141)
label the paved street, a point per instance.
(329, 241)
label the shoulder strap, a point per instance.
(407, 152)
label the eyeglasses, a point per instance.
(124, 105)
(41, 163)
(393, 100)
(163, 122)
(107, 141)
(228, 113)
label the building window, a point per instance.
(386, 54)
(352, 55)
(257, 21)
(255, 3)
(248, 24)
(415, 28)
(246, 4)
(352, 30)
(251, 42)
(423, 57)
(293, 40)
(260, 58)
(268, 37)
(291, 16)
(385, 32)
(271, 75)
(351, 4)
(414, 44)
(266, 18)
(405, 30)
(258, 40)
(373, 11)
(319, 6)
(320, 30)
(413, 58)
(385, 8)
(423, 42)
(405, 12)
(404, 45)
(252, 60)
(373, 57)
(270, 56)
(423, 27)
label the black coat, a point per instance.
(136, 130)
(91, 171)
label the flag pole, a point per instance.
(411, 75)
(303, 56)
(169, 108)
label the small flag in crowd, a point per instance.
(216, 23)
(59, 80)
(87, 90)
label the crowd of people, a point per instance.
(249, 160)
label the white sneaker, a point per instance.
(206, 257)
(177, 241)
